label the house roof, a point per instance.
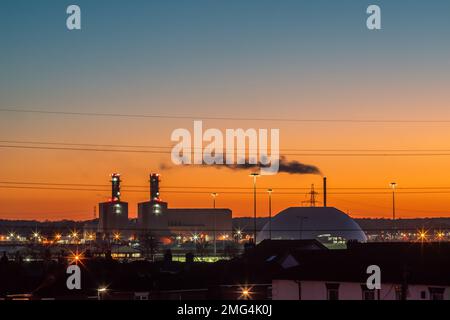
(414, 263)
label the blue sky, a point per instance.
(232, 58)
(190, 46)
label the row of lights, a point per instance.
(225, 236)
(422, 235)
(57, 237)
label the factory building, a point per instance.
(325, 224)
(156, 218)
(113, 215)
(328, 225)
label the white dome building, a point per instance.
(326, 224)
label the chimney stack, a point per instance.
(154, 187)
(324, 191)
(115, 185)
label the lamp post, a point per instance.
(254, 175)
(270, 212)
(214, 195)
(393, 186)
(100, 292)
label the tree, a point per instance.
(150, 245)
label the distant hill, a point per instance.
(367, 224)
(407, 224)
(26, 226)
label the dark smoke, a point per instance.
(295, 167)
(291, 167)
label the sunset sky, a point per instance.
(288, 59)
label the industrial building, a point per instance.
(326, 224)
(113, 214)
(157, 219)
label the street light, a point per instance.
(76, 257)
(195, 237)
(238, 234)
(100, 291)
(254, 175)
(393, 186)
(246, 293)
(270, 213)
(214, 196)
(423, 235)
(36, 236)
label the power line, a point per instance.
(286, 154)
(81, 149)
(201, 148)
(125, 186)
(224, 192)
(204, 117)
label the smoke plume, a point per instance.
(291, 167)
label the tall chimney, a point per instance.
(115, 187)
(324, 191)
(154, 187)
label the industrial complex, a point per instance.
(156, 219)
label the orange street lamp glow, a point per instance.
(245, 293)
(422, 235)
(76, 258)
(440, 235)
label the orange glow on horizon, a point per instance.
(235, 188)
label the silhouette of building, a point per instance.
(113, 215)
(326, 224)
(156, 218)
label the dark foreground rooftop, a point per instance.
(418, 263)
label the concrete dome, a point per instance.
(326, 224)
